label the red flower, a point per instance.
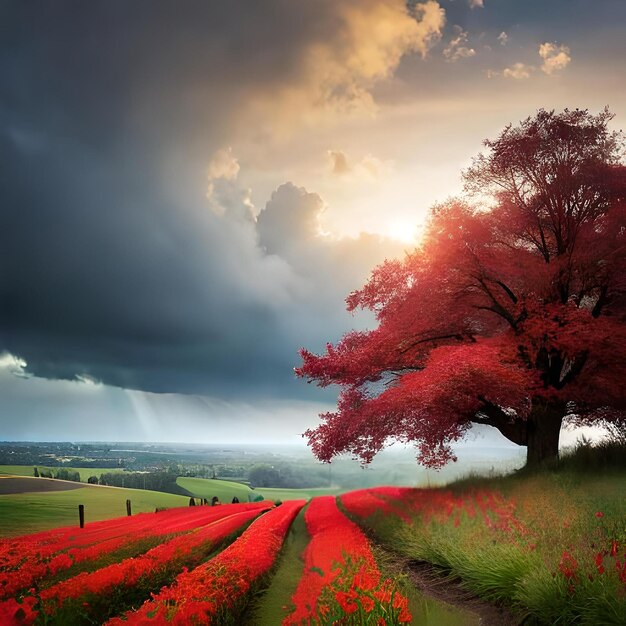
(367, 603)
(346, 602)
(220, 582)
(599, 514)
(568, 565)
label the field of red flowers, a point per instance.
(194, 565)
(548, 551)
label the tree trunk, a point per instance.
(543, 428)
(539, 432)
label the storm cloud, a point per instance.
(114, 265)
(169, 219)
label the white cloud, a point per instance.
(13, 364)
(223, 192)
(518, 71)
(555, 57)
(457, 48)
(477, 4)
(503, 38)
(339, 163)
(224, 165)
(338, 73)
(367, 167)
(88, 380)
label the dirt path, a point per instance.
(433, 583)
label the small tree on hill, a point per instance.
(511, 314)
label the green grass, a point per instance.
(546, 567)
(295, 494)
(425, 610)
(225, 490)
(275, 603)
(207, 488)
(31, 512)
(85, 472)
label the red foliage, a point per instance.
(508, 315)
(198, 595)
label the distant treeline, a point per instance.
(60, 474)
(287, 475)
(155, 481)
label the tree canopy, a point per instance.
(511, 312)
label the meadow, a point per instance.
(225, 490)
(85, 472)
(40, 510)
(34, 511)
(547, 547)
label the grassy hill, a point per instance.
(85, 472)
(207, 488)
(225, 490)
(23, 513)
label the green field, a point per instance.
(296, 494)
(25, 513)
(85, 472)
(225, 490)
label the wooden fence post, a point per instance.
(128, 508)
(81, 515)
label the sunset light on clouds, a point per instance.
(190, 190)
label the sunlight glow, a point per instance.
(403, 230)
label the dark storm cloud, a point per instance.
(108, 266)
(327, 269)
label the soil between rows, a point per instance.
(24, 484)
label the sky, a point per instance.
(189, 190)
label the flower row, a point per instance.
(48, 555)
(340, 576)
(89, 594)
(219, 585)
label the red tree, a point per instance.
(510, 314)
